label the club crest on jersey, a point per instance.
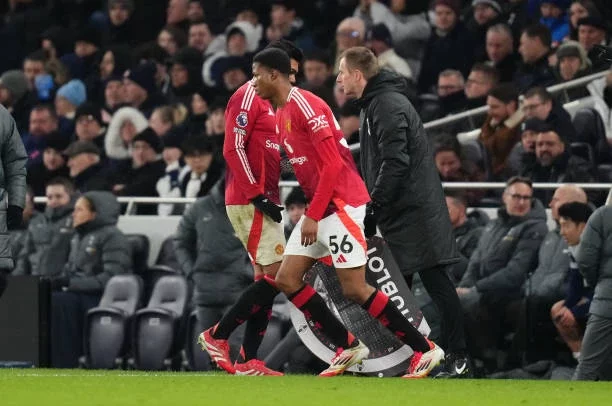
(242, 120)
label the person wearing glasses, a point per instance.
(539, 103)
(507, 250)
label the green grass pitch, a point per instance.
(106, 388)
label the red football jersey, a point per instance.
(251, 148)
(319, 154)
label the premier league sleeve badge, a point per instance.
(242, 119)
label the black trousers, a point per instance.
(2, 281)
(442, 291)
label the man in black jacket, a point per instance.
(407, 199)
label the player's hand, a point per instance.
(567, 319)
(371, 219)
(267, 207)
(310, 229)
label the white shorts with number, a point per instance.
(340, 235)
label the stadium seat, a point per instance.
(157, 328)
(140, 252)
(107, 326)
(604, 173)
(590, 129)
(196, 359)
(476, 153)
(584, 151)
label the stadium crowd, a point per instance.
(127, 98)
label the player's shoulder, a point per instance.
(245, 98)
(306, 102)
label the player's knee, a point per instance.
(354, 292)
(285, 283)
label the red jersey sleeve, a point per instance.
(240, 117)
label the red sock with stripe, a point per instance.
(314, 308)
(257, 298)
(383, 309)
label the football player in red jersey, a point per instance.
(333, 223)
(252, 153)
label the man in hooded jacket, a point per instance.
(408, 203)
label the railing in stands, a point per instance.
(481, 110)
(133, 201)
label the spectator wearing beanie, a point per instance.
(593, 30)
(115, 61)
(485, 14)
(139, 176)
(381, 44)
(169, 185)
(572, 63)
(87, 54)
(14, 96)
(141, 90)
(204, 168)
(185, 69)
(89, 125)
(121, 30)
(450, 45)
(52, 165)
(126, 123)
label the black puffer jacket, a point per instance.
(99, 250)
(400, 174)
(506, 252)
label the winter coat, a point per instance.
(212, 176)
(594, 258)
(467, 236)
(561, 121)
(500, 139)
(98, 250)
(47, 243)
(534, 74)
(169, 185)
(506, 252)
(507, 67)
(454, 50)
(95, 177)
(39, 176)
(401, 176)
(12, 180)
(114, 146)
(565, 168)
(140, 182)
(546, 281)
(210, 253)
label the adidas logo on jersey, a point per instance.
(341, 260)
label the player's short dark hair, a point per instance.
(505, 93)
(289, 47)
(539, 91)
(61, 181)
(541, 32)
(362, 59)
(519, 179)
(575, 212)
(489, 71)
(274, 58)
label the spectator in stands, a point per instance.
(154, 54)
(349, 122)
(578, 10)
(481, 80)
(176, 14)
(545, 285)
(215, 124)
(86, 170)
(523, 153)
(68, 98)
(501, 130)
(113, 97)
(593, 259)
(169, 185)
(453, 167)
(451, 96)
(33, 66)
(239, 43)
(351, 32)
(593, 30)
(554, 16)
(485, 14)
(295, 204)
(115, 61)
(450, 46)
(89, 125)
(572, 63)
(499, 265)
(601, 91)
(539, 103)
(318, 76)
(467, 230)
(43, 122)
(138, 176)
(52, 164)
(14, 96)
(87, 54)
(250, 12)
(185, 75)
(17, 236)
(125, 124)
(534, 50)
(381, 43)
(47, 240)
(570, 315)
(555, 164)
(164, 118)
(285, 23)
(204, 168)
(171, 39)
(121, 30)
(233, 72)
(141, 91)
(212, 257)
(500, 51)
(198, 111)
(98, 251)
(195, 11)
(200, 36)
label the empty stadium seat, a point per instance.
(590, 129)
(196, 359)
(582, 150)
(107, 326)
(140, 251)
(157, 328)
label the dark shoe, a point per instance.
(455, 367)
